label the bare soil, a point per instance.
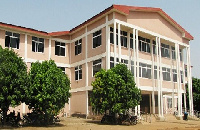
(89, 124)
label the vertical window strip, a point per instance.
(78, 47)
(96, 66)
(96, 39)
(37, 44)
(78, 72)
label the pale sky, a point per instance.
(63, 15)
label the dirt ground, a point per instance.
(88, 124)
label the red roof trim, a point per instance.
(126, 10)
(59, 33)
(24, 29)
(121, 8)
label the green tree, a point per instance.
(13, 79)
(195, 93)
(114, 90)
(49, 88)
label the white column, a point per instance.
(183, 69)
(50, 48)
(26, 42)
(115, 43)
(161, 78)
(137, 59)
(107, 44)
(152, 77)
(129, 51)
(178, 78)
(119, 42)
(86, 71)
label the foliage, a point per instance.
(196, 93)
(114, 90)
(13, 79)
(49, 88)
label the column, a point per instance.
(86, 71)
(119, 43)
(115, 42)
(153, 80)
(50, 48)
(137, 59)
(107, 44)
(129, 51)
(178, 77)
(158, 76)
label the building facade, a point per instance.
(153, 46)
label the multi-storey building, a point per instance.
(153, 46)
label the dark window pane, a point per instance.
(8, 33)
(62, 52)
(7, 41)
(33, 46)
(13, 43)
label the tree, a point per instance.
(49, 88)
(196, 93)
(13, 79)
(114, 90)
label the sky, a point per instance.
(63, 15)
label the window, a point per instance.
(181, 76)
(123, 38)
(112, 35)
(165, 50)
(144, 70)
(63, 69)
(169, 102)
(166, 74)
(180, 52)
(78, 47)
(124, 61)
(144, 44)
(112, 62)
(174, 72)
(185, 72)
(173, 53)
(12, 40)
(78, 72)
(97, 39)
(37, 44)
(59, 48)
(132, 67)
(155, 72)
(96, 66)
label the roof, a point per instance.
(120, 8)
(23, 29)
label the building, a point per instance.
(153, 46)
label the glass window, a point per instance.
(96, 66)
(145, 70)
(185, 72)
(12, 40)
(124, 61)
(78, 47)
(78, 72)
(173, 53)
(123, 38)
(165, 50)
(96, 39)
(37, 44)
(59, 48)
(144, 44)
(174, 75)
(111, 62)
(166, 74)
(155, 72)
(181, 76)
(63, 69)
(169, 102)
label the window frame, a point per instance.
(78, 72)
(144, 44)
(166, 72)
(78, 47)
(98, 35)
(38, 42)
(99, 62)
(60, 48)
(12, 37)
